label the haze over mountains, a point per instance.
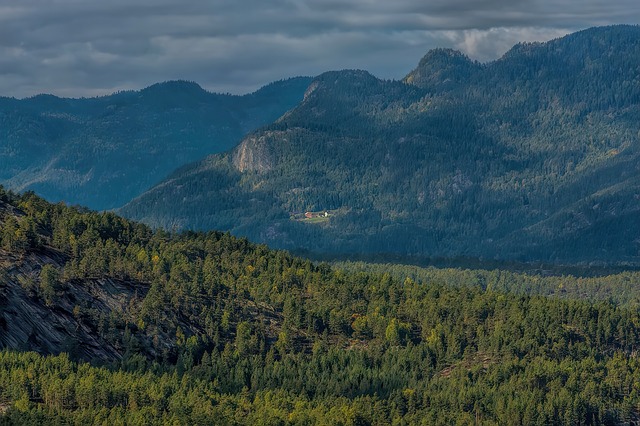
(531, 157)
(102, 152)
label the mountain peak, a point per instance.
(175, 94)
(618, 30)
(348, 76)
(276, 87)
(175, 85)
(175, 88)
(334, 83)
(442, 54)
(592, 43)
(442, 69)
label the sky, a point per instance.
(83, 48)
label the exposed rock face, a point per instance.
(312, 87)
(27, 323)
(256, 153)
(84, 318)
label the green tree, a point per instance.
(49, 283)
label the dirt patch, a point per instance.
(480, 358)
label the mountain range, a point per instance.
(532, 157)
(102, 152)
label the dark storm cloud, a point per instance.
(89, 47)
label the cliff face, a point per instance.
(62, 323)
(81, 317)
(257, 153)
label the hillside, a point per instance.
(531, 157)
(204, 328)
(102, 152)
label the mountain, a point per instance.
(532, 157)
(105, 320)
(102, 152)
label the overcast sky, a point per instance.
(93, 47)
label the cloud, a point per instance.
(485, 45)
(90, 47)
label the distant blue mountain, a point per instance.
(102, 152)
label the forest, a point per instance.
(217, 330)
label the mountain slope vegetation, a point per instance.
(531, 157)
(102, 152)
(148, 327)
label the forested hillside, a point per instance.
(102, 152)
(620, 288)
(205, 328)
(531, 157)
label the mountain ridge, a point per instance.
(462, 169)
(104, 151)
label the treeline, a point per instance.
(228, 332)
(620, 288)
